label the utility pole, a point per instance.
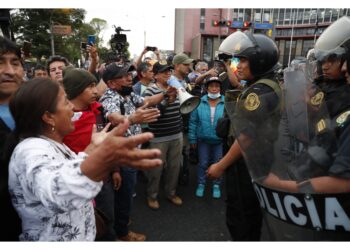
(52, 39)
(220, 19)
(51, 34)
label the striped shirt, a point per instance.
(169, 124)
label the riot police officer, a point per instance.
(258, 65)
(304, 190)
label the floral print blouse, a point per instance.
(50, 193)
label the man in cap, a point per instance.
(167, 132)
(182, 64)
(119, 101)
(11, 77)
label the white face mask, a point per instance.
(214, 96)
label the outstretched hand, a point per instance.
(117, 150)
(124, 151)
(98, 137)
(144, 114)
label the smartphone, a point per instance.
(234, 63)
(83, 45)
(149, 48)
(91, 40)
(222, 76)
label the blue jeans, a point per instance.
(208, 154)
(123, 201)
(116, 205)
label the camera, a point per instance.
(118, 41)
(149, 48)
(224, 57)
(83, 45)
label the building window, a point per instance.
(307, 45)
(207, 49)
(300, 16)
(288, 50)
(275, 15)
(257, 16)
(281, 17)
(202, 20)
(240, 14)
(235, 14)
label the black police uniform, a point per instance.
(337, 96)
(243, 214)
(258, 108)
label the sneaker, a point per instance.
(132, 236)
(176, 200)
(200, 190)
(154, 204)
(216, 191)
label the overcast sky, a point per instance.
(156, 17)
(150, 27)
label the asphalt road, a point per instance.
(198, 219)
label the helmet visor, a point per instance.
(236, 43)
(330, 45)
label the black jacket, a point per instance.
(10, 227)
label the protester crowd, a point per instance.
(74, 140)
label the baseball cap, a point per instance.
(161, 66)
(213, 79)
(182, 59)
(114, 70)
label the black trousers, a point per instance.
(243, 213)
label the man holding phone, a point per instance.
(145, 50)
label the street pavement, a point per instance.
(198, 219)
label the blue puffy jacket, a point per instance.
(200, 126)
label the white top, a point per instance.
(50, 193)
(212, 114)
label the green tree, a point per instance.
(34, 25)
(99, 25)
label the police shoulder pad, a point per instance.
(342, 118)
(321, 126)
(252, 102)
(317, 99)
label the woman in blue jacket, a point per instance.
(202, 133)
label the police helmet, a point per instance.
(258, 49)
(334, 42)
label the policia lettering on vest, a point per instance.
(296, 148)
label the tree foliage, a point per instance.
(33, 25)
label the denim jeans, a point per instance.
(208, 154)
(116, 205)
(123, 201)
(104, 202)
